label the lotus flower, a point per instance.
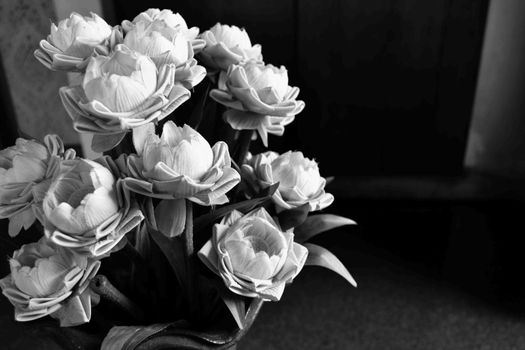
(299, 179)
(121, 92)
(166, 45)
(70, 44)
(26, 171)
(173, 20)
(87, 210)
(181, 165)
(227, 45)
(254, 257)
(47, 279)
(259, 98)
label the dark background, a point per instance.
(388, 84)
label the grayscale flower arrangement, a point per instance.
(181, 240)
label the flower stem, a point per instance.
(245, 138)
(102, 286)
(191, 275)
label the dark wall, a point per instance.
(388, 84)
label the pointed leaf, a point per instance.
(244, 206)
(235, 304)
(293, 217)
(170, 216)
(316, 224)
(173, 251)
(104, 143)
(319, 256)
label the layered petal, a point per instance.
(252, 255)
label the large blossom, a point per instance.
(26, 171)
(121, 92)
(227, 45)
(70, 44)
(181, 165)
(166, 45)
(87, 209)
(299, 179)
(47, 279)
(173, 20)
(259, 98)
(254, 257)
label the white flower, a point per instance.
(226, 45)
(74, 40)
(173, 20)
(85, 211)
(26, 170)
(121, 92)
(259, 98)
(181, 164)
(46, 278)
(166, 45)
(121, 82)
(254, 257)
(299, 179)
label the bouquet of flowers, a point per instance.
(181, 240)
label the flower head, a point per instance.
(46, 278)
(26, 171)
(181, 164)
(227, 45)
(299, 179)
(254, 257)
(259, 98)
(172, 20)
(121, 92)
(85, 211)
(166, 45)
(74, 40)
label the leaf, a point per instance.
(293, 217)
(244, 206)
(316, 224)
(319, 256)
(234, 303)
(170, 216)
(104, 143)
(173, 251)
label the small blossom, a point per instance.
(259, 98)
(254, 257)
(71, 43)
(173, 20)
(86, 210)
(46, 278)
(26, 171)
(227, 45)
(166, 45)
(299, 179)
